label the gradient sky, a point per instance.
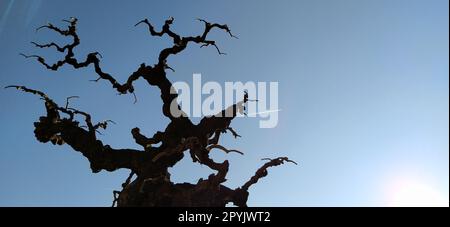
(363, 88)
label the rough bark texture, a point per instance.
(151, 185)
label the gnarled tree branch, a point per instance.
(262, 172)
(66, 130)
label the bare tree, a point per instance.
(151, 185)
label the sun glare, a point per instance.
(413, 193)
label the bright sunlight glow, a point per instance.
(413, 193)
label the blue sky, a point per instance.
(363, 88)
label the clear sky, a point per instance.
(363, 88)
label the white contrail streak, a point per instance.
(5, 15)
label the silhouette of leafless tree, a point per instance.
(152, 185)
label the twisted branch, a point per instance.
(65, 130)
(223, 149)
(262, 172)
